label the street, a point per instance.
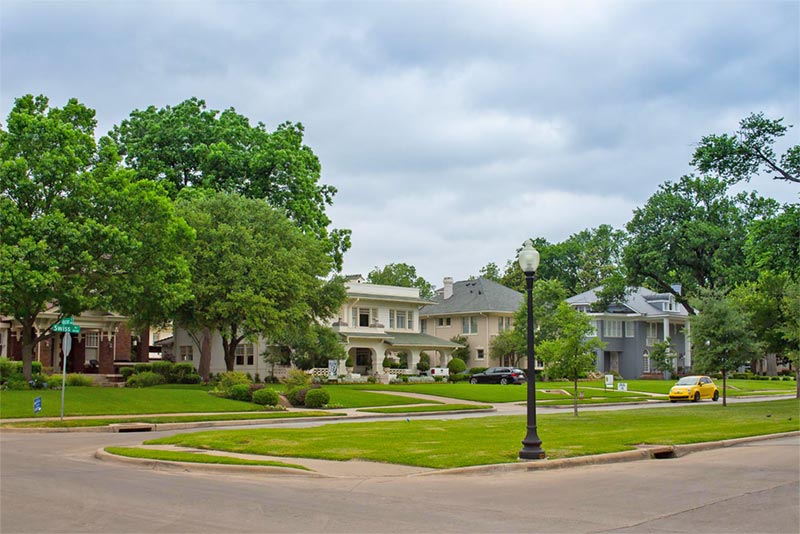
(52, 483)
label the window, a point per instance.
(244, 352)
(186, 354)
(593, 331)
(612, 328)
(401, 319)
(364, 316)
(652, 330)
(444, 321)
(503, 324)
(469, 325)
(582, 308)
(630, 329)
(423, 326)
(480, 355)
(646, 362)
(92, 340)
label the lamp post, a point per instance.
(531, 445)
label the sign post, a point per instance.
(66, 326)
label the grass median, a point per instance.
(491, 440)
(432, 408)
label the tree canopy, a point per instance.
(76, 230)
(748, 152)
(253, 272)
(403, 275)
(190, 145)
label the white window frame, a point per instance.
(646, 366)
(481, 355)
(245, 353)
(612, 328)
(186, 353)
(469, 325)
(92, 340)
(630, 329)
(652, 330)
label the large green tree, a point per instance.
(692, 233)
(748, 152)
(76, 230)
(254, 273)
(403, 275)
(570, 353)
(190, 145)
(722, 336)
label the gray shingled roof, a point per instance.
(638, 301)
(470, 296)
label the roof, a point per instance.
(420, 340)
(479, 295)
(389, 298)
(638, 301)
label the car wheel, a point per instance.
(473, 380)
(696, 396)
(715, 398)
(504, 381)
(673, 400)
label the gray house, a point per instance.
(631, 328)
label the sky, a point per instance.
(453, 130)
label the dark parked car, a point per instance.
(499, 375)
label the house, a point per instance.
(375, 322)
(477, 309)
(630, 330)
(103, 341)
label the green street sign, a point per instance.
(71, 328)
(67, 320)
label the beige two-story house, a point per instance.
(477, 309)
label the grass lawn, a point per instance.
(344, 397)
(180, 456)
(431, 408)
(80, 423)
(117, 401)
(477, 441)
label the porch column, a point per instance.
(687, 342)
(105, 354)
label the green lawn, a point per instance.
(81, 423)
(489, 440)
(356, 398)
(193, 457)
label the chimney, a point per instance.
(448, 287)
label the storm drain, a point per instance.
(659, 452)
(131, 427)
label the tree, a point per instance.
(661, 356)
(790, 308)
(254, 273)
(773, 243)
(313, 346)
(491, 271)
(77, 231)
(402, 275)
(190, 145)
(723, 340)
(461, 352)
(507, 344)
(571, 352)
(748, 152)
(692, 233)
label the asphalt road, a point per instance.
(52, 483)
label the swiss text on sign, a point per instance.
(71, 328)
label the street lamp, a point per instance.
(531, 445)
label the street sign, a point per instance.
(66, 344)
(37, 405)
(71, 328)
(622, 386)
(67, 320)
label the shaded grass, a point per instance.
(117, 401)
(432, 408)
(81, 423)
(194, 457)
(344, 397)
(489, 440)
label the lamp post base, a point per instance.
(532, 448)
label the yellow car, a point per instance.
(694, 388)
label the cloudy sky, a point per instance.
(452, 130)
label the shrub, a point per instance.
(435, 378)
(142, 367)
(349, 361)
(740, 376)
(185, 373)
(145, 379)
(16, 382)
(54, 381)
(164, 368)
(257, 379)
(297, 395)
(36, 368)
(476, 370)
(775, 378)
(126, 372)
(266, 397)
(228, 379)
(296, 378)
(240, 392)
(456, 365)
(459, 377)
(424, 363)
(77, 379)
(317, 398)
(372, 379)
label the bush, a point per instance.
(774, 378)
(142, 368)
(459, 377)
(16, 382)
(456, 365)
(240, 392)
(349, 361)
(740, 376)
(317, 398)
(424, 362)
(185, 373)
(77, 379)
(437, 378)
(164, 368)
(297, 378)
(145, 380)
(297, 395)
(53, 381)
(228, 379)
(126, 372)
(266, 397)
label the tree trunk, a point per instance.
(28, 346)
(204, 367)
(575, 398)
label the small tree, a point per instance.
(507, 344)
(662, 355)
(456, 365)
(723, 338)
(424, 362)
(571, 353)
(463, 351)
